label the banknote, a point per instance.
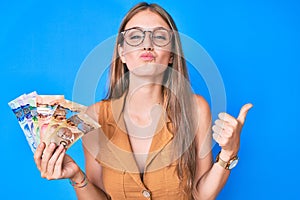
(64, 111)
(51, 119)
(33, 122)
(46, 106)
(21, 112)
(69, 131)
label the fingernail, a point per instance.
(41, 145)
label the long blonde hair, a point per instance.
(178, 102)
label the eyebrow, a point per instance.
(146, 29)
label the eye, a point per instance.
(160, 37)
(135, 37)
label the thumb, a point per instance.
(243, 112)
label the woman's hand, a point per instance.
(53, 162)
(227, 130)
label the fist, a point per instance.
(227, 130)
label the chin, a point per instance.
(149, 69)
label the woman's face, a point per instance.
(146, 56)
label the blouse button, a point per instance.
(146, 193)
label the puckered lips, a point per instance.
(147, 56)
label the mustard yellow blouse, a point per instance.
(120, 173)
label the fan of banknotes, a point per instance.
(51, 118)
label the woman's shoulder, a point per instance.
(202, 108)
(201, 103)
(98, 108)
(100, 104)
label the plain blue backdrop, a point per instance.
(255, 45)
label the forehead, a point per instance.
(146, 19)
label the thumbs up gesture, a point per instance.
(227, 130)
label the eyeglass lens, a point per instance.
(160, 37)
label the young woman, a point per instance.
(155, 141)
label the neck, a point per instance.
(144, 92)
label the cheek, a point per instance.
(131, 60)
(163, 57)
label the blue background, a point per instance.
(255, 45)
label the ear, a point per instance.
(171, 58)
(121, 53)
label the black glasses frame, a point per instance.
(144, 35)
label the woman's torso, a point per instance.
(121, 173)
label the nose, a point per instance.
(148, 44)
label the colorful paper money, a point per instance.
(51, 119)
(69, 131)
(46, 106)
(20, 109)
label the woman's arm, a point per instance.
(53, 163)
(211, 177)
(94, 189)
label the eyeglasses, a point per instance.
(159, 36)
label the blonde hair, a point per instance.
(178, 101)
